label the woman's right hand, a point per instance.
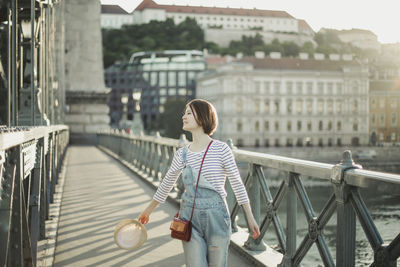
(144, 217)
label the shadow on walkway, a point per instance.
(98, 193)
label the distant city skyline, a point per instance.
(376, 16)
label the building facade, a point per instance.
(289, 101)
(155, 77)
(360, 38)
(113, 17)
(385, 111)
(221, 25)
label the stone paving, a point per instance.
(98, 193)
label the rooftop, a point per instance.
(213, 10)
(113, 9)
(299, 64)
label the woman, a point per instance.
(211, 230)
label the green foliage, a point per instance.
(308, 48)
(119, 44)
(170, 121)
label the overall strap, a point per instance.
(198, 178)
(184, 152)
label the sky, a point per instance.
(380, 17)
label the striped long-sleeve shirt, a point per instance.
(218, 164)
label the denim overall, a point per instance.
(211, 230)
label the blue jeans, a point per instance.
(211, 231)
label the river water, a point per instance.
(384, 210)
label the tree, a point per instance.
(290, 49)
(308, 48)
(170, 120)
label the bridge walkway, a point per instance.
(98, 193)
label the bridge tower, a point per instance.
(86, 94)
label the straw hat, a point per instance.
(130, 234)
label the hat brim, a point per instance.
(134, 245)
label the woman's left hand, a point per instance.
(253, 226)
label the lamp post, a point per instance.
(137, 125)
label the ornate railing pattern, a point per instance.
(151, 157)
(30, 162)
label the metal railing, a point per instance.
(151, 157)
(30, 162)
(33, 74)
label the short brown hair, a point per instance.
(205, 115)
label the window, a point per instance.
(277, 126)
(182, 91)
(277, 87)
(266, 106)
(381, 102)
(289, 126)
(239, 126)
(309, 126)
(182, 78)
(355, 88)
(320, 86)
(299, 86)
(320, 106)
(153, 81)
(267, 87)
(239, 86)
(309, 88)
(382, 119)
(276, 106)
(171, 78)
(339, 125)
(266, 126)
(239, 105)
(257, 86)
(329, 125)
(257, 126)
(355, 106)
(394, 119)
(289, 142)
(162, 79)
(329, 88)
(393, 137)
(289, 88)
(289, 107)
(266, 142)
(257, 106)
(309, 106)
(298, 125)
(338, 106)
(339, 88)
(373, 119)
(299, 106)
(355, 125)
(330, 106)
(321, 125)
(393, 103)
(373, 103)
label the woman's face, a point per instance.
(189, 122)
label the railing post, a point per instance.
(346, 217)
(291, 226)
(179, 185)
(230, 195)
(255, 197)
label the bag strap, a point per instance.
(198, 178)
